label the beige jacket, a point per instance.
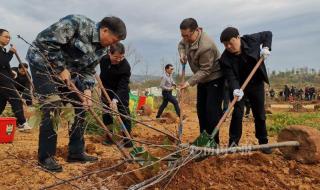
(203, 57)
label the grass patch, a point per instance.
(278, 121)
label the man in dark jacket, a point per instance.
(239, 58)
(8, 91)
(115, 76)
(22, 83)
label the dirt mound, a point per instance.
(297, 107)
(168, 118)
(253, 171)
(317, 107)
(146, 110)
(309, 139)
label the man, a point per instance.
(202, 55)
(8, 91)
(286, 92)
(22, 82)
(272, 93)
(167, 85)
(238, 59)
(68, 50)
(115, 76)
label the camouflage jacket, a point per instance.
(73, 43)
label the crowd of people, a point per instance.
(309, 93)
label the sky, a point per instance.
(153, 26)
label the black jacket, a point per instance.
(251, 47)
(5, 69)
(116, 78)
(21, 82)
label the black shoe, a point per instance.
(233, 144)
(82, 158)
(127, 143)
(50, 164)
(266, 151)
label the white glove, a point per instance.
(239, 93)
(265, 53)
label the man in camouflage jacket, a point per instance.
(68, 50)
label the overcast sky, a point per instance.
(153, 26)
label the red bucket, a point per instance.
(7, 129)
(141, 102)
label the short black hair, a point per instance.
(2, 30)
(117, 47)
(115, 25)
(168, 66)
(189, 23)
(228, 33)
(25, 65)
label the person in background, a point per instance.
(167, 85)
(8, 92)
(22, 82)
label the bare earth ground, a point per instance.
(19, 169)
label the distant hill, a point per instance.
(143, 78)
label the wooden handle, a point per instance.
(235, 99)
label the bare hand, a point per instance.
(87, 102)
(15, 75)
(65, 76)
(114, 105)
(184, 85)
(183, 59)
(13, 48)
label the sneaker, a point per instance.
(50, 164)
(82, 158)
(24, 127)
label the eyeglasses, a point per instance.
(188, 36)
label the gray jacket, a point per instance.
(167, 82)
(203, 57)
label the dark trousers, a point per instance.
(123, 109)
(255, 94)
(247, 105)
(166, 98)
(209, 102)
(25, 94)
(47, 86)
(9, 94)
(226, 98)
